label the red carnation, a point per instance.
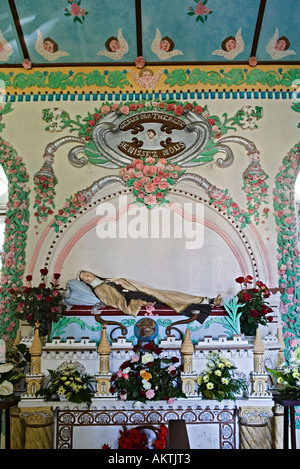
(44, 271)
(56, 276)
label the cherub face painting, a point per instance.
(49, 45)
(282, 44)
(231, 44)
(164, 45)
(112, 44)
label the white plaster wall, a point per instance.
(159, 265)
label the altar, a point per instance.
(253, 420)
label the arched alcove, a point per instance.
(202, 250)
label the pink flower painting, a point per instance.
(201, 11)
(75, 11)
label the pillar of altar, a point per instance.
(32, 428)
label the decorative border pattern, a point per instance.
(224, 418)
(108, 78)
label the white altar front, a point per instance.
(252, 421)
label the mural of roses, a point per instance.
(201, 11)
(76, 11)
(150, 179)
(17, 217)
(44, 198)
(288, 247)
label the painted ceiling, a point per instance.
(170, 32)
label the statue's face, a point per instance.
(86, 276)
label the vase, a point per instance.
(44, 332)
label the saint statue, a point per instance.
(130, 296)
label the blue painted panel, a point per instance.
(81, 41)
(195, 39)
(287, 22)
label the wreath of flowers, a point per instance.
(147, 376)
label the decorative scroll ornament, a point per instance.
(168, 134)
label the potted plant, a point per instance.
(288, 377)
(254, 307)
(148, 376)
(70, 381)
(39, 303)
(217, 381)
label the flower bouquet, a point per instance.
(288, 377)
(71, 381)
(147, 376)
(132, 439)
(12, 372)
(217, 381)
(41, 303)
(254, 307)
(150, 179)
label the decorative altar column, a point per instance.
(38, 427)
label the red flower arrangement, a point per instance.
(41, 303)
(135, 439)
(254, 307)
(132, 439)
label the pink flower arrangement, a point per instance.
(150, 179)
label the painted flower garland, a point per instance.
(71, 207)
(44, 197)
(288, 248)
(17, 221)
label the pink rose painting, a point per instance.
(76, 12)
(150, 179)
(201, 11)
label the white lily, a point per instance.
(6, 367)
(6, 388)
